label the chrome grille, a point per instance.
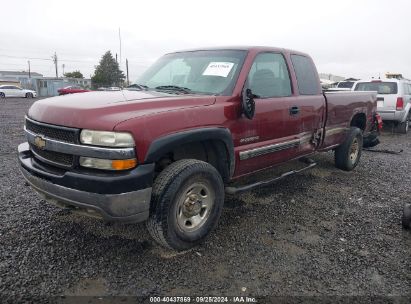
(69, 135)
(64, 134)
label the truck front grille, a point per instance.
(69, 135)
(55, 158)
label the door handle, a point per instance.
(294, 110)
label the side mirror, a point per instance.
(248, 103)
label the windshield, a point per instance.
(379, 86)
(203, 72)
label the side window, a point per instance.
(307, 77)
(269, 76)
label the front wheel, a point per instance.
(29, 95)
(348, 154)
(186, 204)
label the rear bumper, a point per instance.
(95, 195)
(392, 115)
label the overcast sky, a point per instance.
(347, 38)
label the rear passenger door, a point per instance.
(311, 100)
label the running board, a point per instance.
(235, 190)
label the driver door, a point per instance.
(273, 135)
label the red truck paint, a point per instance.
(189, 146)
(152, 115)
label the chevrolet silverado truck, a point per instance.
(168, 152)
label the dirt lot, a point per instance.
(322, 232)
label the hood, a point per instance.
(104, 110)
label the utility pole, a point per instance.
(128, 82)
(119, 38)
(29, 68)
(55, 63)
(116, 58)
(63, 69)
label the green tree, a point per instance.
(75, 74)
(108, 72)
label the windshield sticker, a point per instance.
(218, 69)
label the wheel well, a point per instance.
(359, 120)
(213, 152)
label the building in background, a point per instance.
(44, 86)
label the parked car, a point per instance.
(71, 90)
(15, 91)
(393, 100)
(167, 154)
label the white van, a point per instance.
(393, 100)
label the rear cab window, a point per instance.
(382, 87)
(307, 76)
(345, 84)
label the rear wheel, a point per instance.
(186, 204)
(348, 154)
(403, 127)
(2, 95)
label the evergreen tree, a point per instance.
(75, 74)
(108, 72)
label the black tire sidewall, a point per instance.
(342, 153)
(163, 212)
(175, 232)
(406, 216)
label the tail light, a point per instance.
(400, 104)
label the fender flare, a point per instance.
(164, 144)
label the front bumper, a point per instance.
(121, 197)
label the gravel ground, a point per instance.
(322, 232)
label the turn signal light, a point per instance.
(108, 164)
(123, 164)
(400, 104)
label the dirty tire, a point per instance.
(167, 224)
(403, 127)
(348, 154)
(406, 217)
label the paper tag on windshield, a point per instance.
(218, 69)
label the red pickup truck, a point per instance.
(167, 152)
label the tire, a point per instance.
(371, 141)
(348, 154)
(2, 95)
(403, 127)
(186, 203)
(29, 95)
(406, 217)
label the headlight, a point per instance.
(108, 164)
(109, 139)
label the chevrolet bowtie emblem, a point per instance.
(39, 142)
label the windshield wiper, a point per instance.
(136, 86)
(173, 88)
